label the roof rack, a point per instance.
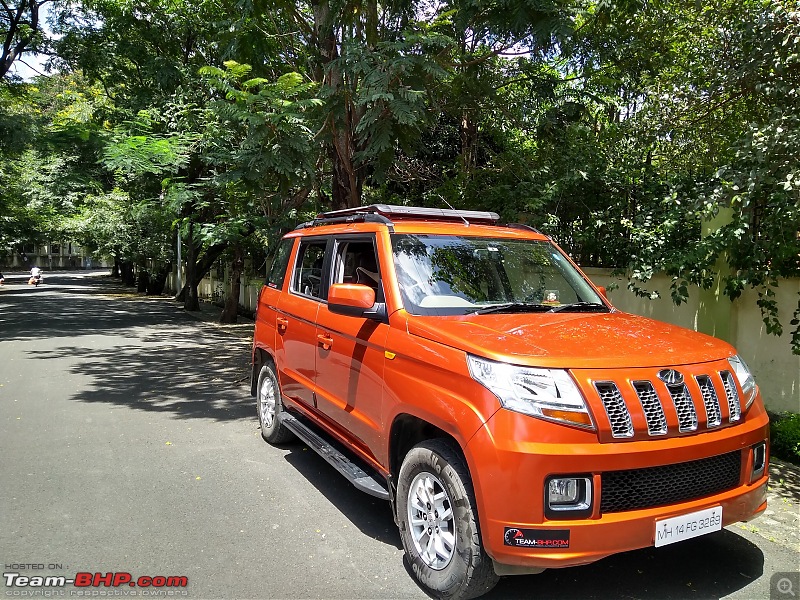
(350, 218)
(397, 213)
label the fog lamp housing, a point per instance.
(568, 496)
(759, 452)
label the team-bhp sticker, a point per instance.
(536, 538)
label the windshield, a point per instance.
(452, 275)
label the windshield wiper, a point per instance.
(580, 307)
(512, 307)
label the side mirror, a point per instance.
(602, 290)
(350, 299)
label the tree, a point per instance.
(21, 24)
(146, 58)
(49, 156)
(261, 145)
(712, 101)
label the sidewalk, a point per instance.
(780, 523)
(209, 313)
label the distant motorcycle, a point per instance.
(36, 277)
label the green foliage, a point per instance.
(736, 118)
(785, 436)
(649, 137)
(49, 157)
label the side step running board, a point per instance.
(342, 463)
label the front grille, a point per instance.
(653, 413)
(637, 489)
(732, 394)
(617, 412)
(657, 400)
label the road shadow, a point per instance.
(76, 307)
(372, 516)
(205, 379)
(784, 480)
(712, 566)
(171, 363)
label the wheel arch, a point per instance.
(261, 356)
(408, 431)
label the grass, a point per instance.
(785, 436)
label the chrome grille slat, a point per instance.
(682, 399)
(616, 410)
(710, 401)
(732, 395)
(651, 405)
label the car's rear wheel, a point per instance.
(270, 407)
(438, 522)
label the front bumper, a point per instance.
(509, 474)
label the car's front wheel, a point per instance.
(270, 407)
(438, 522)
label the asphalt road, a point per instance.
(129, 443)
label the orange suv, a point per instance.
(470, 374)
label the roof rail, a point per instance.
(351, 218)
(397, 212)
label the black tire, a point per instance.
(468, 572)
(269, 404)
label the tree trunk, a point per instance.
(128, 278)
(200, 267)
(469, 142)
(21, 29)
(231, 310)
(142, 281)
(347, 180)
(191, 299)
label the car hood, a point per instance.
(572, 340)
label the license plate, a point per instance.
(686, 527)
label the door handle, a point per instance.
(282, 322)
(325, 340)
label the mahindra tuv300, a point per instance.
(470, 374)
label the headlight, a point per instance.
(545, 393)
(745, 377)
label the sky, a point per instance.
(24, 70)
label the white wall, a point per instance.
(776, 369)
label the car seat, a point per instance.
(367, 272)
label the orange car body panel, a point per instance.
(374, 372)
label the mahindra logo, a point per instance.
(670, 377)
